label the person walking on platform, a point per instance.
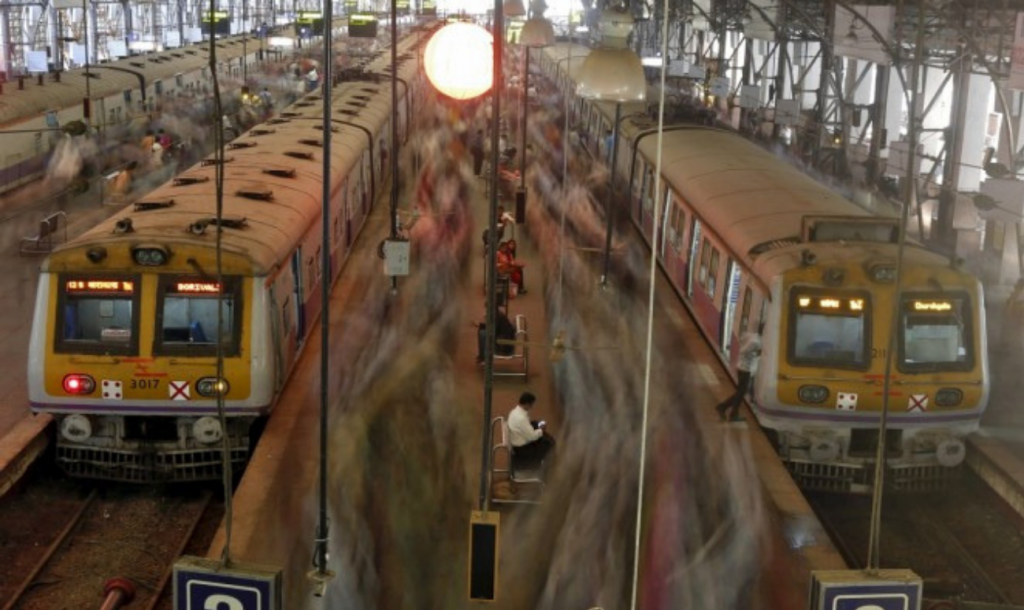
(530, 441)
(504, 330)
(750, 351)
(476, 148)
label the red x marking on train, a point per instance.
(918, 402)
(179, 390)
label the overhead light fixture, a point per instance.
(613, 72)
(537, 31)
(513, 8)
(851, 34)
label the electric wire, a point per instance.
(875, 529)
(220, 386)
(650, 312)
(326, 73)
(565, 189)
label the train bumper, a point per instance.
(126, 449)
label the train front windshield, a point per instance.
(935, 333)
(188, 316)
(96, 315)
(829, 329)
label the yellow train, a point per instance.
(126, 325)
(747, 239)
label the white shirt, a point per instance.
(750, 351)
(520, 431)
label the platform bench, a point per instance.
(47, 237)
(519, 360)
(516, 475)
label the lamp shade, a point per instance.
(537, 32)
(612, 75)
(513, 8)
(459, 60)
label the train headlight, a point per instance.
(883, 274)
(210, 387)
(207, 430)
(950, 452)
(813, 394)
(150, 256)
(79, 384)
(948, 397)
(76, 428)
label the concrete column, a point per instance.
(938, 110)
(895, 104)
(1012, 122)
(53, 36)
(879, 134)
(976, 92)
(5, 40)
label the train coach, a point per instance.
(126, 329)
(747, 239)
(32, 109)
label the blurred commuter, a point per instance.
(750, 351)
(504, 330)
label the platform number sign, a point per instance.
(202, 584)
(857, 590)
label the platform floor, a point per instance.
(406, 444)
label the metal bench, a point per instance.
(521, 354)
(516, 475)
(47, 237)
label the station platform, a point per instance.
(406, 440)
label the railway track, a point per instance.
(62, 541)
(965, 542)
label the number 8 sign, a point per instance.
(203, 584)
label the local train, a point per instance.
(34, 109)
(126, 328)
(747, 239)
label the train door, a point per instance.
(300, 311)
(733, 276)
(668, 218)
(691, 261)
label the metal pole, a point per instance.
(325, 290)
(87, 106)
(875, 531)
(245, 36)
(492, 259)
(394, 128)
(526, 114)
(609, 209)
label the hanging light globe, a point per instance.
(459, 60)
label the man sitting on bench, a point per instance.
(530, 442)
(504, 330)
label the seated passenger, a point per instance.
(504, 330)
(508, 265)
(530, 441)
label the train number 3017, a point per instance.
(144, 384)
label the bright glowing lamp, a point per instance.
(459, 60)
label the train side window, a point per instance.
(705, 258)
(680, 226)
(748, 297)
(187, 316)
(713, 273)
(96, 315)
(638, 176)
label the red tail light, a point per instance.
(79, 384)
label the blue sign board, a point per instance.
(861, 590)
(202, 584)
(881, 597)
